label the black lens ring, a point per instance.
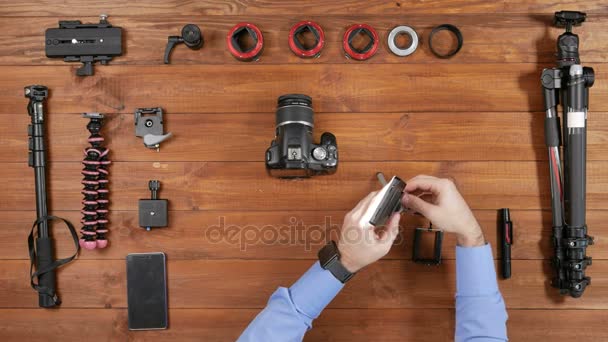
(235, 41)
(452, 29)
(300, 30)
(291, 99)
(369, 46)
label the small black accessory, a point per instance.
(436, 259)
(292, 153)
(240, 31)
(153, 212)
(369, 50)
(85, 43)
(506, 240)
(329, 258)
(452, 29)
(191, 36)
(149, 125)
(296, 45)
(95, 187)
(39, 241)
(387, 202)
(569, 83)
(392, 44)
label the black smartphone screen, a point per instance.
(147, 291)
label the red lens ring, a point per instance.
(306, 53)
(354, 54)
(257, 49)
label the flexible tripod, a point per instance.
(95, 187)
(570, 81)
(39, 242)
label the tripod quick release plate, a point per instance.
(149, 125)
(85, 43)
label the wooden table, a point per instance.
(477, 118)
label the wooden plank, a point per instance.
(546, 6)
(251, 88)
(221, 325)
(249, 283)
(333, 325)
(173, 8)
(221, 185)
(221, 8)
(518, 39)
(276, 235)
(245, 137)
(255, 88)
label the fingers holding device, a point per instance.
(446, 208)
(386, 202)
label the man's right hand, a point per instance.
(446, 209)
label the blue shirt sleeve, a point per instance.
(290, 312)
(480, 310)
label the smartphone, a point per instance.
(147, 291)
(385, 203)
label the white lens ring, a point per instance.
(393, 46)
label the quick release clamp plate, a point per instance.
(149, 126)
(86, 43)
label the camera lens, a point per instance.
(294, 109)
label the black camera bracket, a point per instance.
(85, 43)
(436, 259)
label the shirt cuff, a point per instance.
(314, 290)
(475, 273)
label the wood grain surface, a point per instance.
(236, 234)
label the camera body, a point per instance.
(292, 154)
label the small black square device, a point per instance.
(153, 212)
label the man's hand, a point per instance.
(361, 244)
(446, 208)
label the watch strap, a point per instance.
(329, 258)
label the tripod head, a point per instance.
(568, 19)
(567, 42)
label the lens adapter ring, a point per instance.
(452, 29)
(369, 50)
(233, 44)
(400, 30)
(295, 45)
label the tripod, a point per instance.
(40, 244)
(569, 82)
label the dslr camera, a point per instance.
(292, 154)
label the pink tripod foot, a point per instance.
(90, 245)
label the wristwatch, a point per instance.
(329, 258)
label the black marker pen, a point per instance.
(506, 240)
